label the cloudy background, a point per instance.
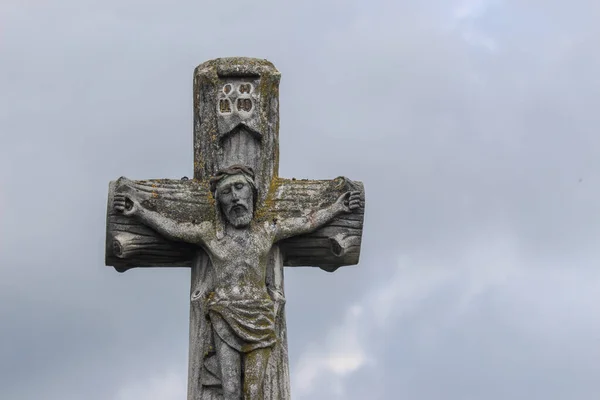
(473, 124)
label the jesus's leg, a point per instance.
(254, 373)
(230, 362)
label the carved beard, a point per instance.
(239, 216)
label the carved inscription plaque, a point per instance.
(239, 94)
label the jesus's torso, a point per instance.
(240, 258)
(239, 306)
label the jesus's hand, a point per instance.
(126, 205)
(348, 202)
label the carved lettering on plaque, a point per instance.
(224, 106)
(244, 105)
(245, 88)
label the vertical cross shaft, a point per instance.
(236, 122)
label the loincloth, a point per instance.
(245, 321)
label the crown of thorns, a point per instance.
(247, 172)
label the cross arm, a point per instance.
(130, 243)
(337, 240)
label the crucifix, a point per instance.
(236, 224)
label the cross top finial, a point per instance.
(240, 67)
(236, 118)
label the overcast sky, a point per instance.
(474, 126)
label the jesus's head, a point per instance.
(235, 191)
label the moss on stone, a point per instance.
(266, 211)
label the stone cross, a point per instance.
(236, 224)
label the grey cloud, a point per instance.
(454, 144)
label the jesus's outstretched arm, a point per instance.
(173, 230)
(289, 227)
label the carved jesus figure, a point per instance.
(240, 308)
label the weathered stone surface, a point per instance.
(236, 225)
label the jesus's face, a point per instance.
(235, 198)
